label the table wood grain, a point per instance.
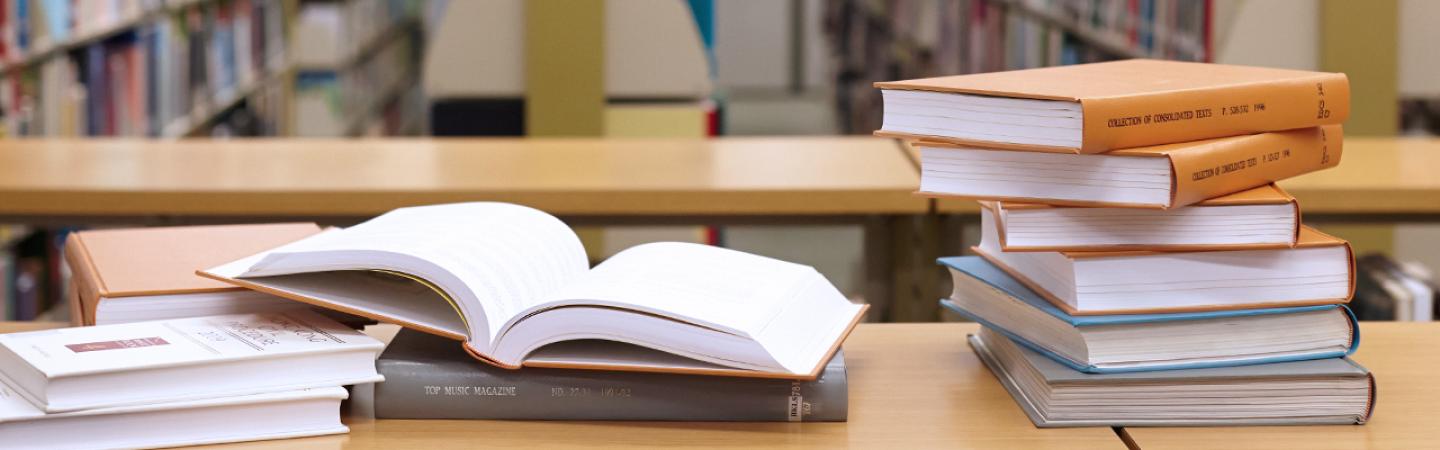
(320, 177)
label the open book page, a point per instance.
(493, 259)
(725, 295)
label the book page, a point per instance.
(494, 259)
(731, 291)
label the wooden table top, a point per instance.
(320, 177)
(1404, 360)
(911, 386)
(1375, 176)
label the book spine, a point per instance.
(469, 390)
(1192, 115)
(1233, 165)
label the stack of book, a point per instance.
(198, 326)
(180, 382)
(1137, 265)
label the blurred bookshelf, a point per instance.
(192, 68)
(186, 68)
(901, 39)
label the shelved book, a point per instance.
(507, 280)
(274, 415)
(139, 274)
(72, 369)
(1319, 270)
(1334, 391)
(1262, 217)
(1095, 108)
(1144, 342)
(1161, 176)
(427, 378)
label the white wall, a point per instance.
(1419, 48)
(1272, 33)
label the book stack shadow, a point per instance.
(209, 334)
(1138, 265)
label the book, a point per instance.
(1334, 391)
(1143, 342)
(1386, 289)
(507, 279)
(137, 274)
(1263, 217)
(426, 378)
(1319, 270)
(1162, 176)
(274, 415)
(71, 369)
(1094, 108)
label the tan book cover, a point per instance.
(1309, 237)
(1217, 167)
(1269, 194)
(160, 261)
(1141, 102)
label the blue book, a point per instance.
(1145, 342)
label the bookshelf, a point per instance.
(905, 39)
(142, 68)
(354, 63)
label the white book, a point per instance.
(275, 415)
(1318, 270)
(508, 280)
(71, 369)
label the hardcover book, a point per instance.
(1094, 108)
(1162, 176)
(274, 415)
(426, 378)
(507, 280)
(138, 274)
(1264, 217)
(1319, 270)
(104, 366)
(1143, 342)
(1334, 391)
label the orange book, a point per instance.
(1318, 270)
(1162, 176)
(137, 274)
(1263, 217)
(1094, 108)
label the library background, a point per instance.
(827, 133)
(211, 69)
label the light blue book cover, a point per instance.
(986, 272)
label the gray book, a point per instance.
(1323, 391)
(428, 377)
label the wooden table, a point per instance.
(361, 178)
(911, 386)
(1403, 358)
(1376, 176)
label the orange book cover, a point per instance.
(162, 260)
(1216, 167)
(1309, 237)
(1140, 102)
(1269, 194)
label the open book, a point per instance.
(508, 280)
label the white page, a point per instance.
(496, 259)
(728, 290)
(737, 309)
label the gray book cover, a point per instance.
(1057, 374)
(429, 377)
